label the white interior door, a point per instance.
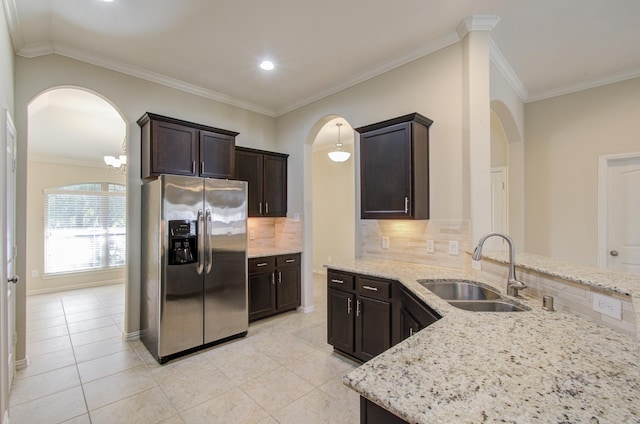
(10, 244)
(622, 249)
(498, 208)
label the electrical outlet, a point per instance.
(385, 242)
(329, 259)
(477, 265)
(453, 247)
(35, 273)
(431, 248)
(252, 235)
(296, 217)
(607, 306)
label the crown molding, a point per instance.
(477, 23)
(45, 48)
(13, 22)
(499, 61)
(63, 161)
(584, 85)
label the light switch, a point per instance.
(453, 247)
(385, 242)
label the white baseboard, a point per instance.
(134, 335)
(22, 363)
(74, 287)
(305, 309)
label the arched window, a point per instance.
(84, 227)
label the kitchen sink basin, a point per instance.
(459, 290)
(487, 306)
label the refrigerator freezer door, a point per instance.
(225, 299)
(181, 301)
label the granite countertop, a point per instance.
(258, 252)
(472, 367)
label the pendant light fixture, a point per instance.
(119, 164)
(339, 155)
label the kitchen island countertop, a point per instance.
(471, 367)
(259, 252)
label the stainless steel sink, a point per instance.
(487, 306)
(459, 290)
(471, 296)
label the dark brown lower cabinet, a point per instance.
(368, 315)
(371, 413)
(274, 285)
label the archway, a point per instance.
(70, 129)
(508, 152)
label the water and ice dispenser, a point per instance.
(183, 242)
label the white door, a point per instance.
(622, 249)
(498, 208)
(9, 242)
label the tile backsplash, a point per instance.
(275, 233)
(408, 241)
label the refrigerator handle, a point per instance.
(207, 241)
(200, 241)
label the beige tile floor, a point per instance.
(81, 371)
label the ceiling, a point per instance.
(212, 47)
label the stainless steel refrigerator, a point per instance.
(193, 264)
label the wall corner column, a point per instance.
(476, 122)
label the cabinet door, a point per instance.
(248, 167)
(262, 295)
(409, 325)
(217, 155)
(340, 320)
(373, 327)
(275, 185)
(173, 149)
(411, 316)
(288, 288)
(385, 167)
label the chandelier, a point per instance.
(118, 164)
(339, 155)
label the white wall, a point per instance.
(47, 175)
(7, 65)
(565, 136)
(132, 97)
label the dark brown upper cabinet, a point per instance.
(266, 175)
(394, 168)
(173, 146)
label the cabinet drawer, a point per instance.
(340, 280)
(267, 263)
(373, 288)
(288, 260)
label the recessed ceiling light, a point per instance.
(267, 65)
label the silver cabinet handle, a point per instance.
(614, 253)
(266, 208)
(348, 306)
(334, 280)
(260, 207)
(357, 308)
(262, 264)
(410, 332)
(406, 205)
(290, 260)
(193, 167)
(370, 288)
(279, 277)
(201, 168)
(273, 278)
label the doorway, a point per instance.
(619, 209)
(70, 130)
(333, 188)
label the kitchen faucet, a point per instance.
(513, 285)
